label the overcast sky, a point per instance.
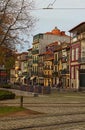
(64, 19)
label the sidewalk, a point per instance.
(21, 93)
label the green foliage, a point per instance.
(5, 86)
(6, 95)
(9, 109)
(9, 62)
(7, 57)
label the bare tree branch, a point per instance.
(15, 19)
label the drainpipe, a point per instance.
(70, 60)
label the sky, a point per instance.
(64, 19)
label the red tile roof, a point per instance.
(56, 31)
(48, 53)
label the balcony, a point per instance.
(35, 61)
(55, 62)
(74, 39)
(81, 36)
(65, 71)
(78, 37)
(48, 68)
(40, 74)
(81, 60)
(55, 73)
(64, 59)
(48, 76)
(29, 57)
(36, 51)
(40, 64)
(34, 73)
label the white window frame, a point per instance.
(72, 54)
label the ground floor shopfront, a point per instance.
(77, 77)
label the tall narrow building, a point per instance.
(77, 63)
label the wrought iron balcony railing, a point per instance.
(48, 67)
(55, 73)
(81, 60)
(48, 76)
(34, 73)
(55, 62)
(29, 57)
(35, 51)
(65, 71)
(35, 61)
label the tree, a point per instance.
(15, 21)
(7, 58)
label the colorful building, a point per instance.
(40, 43)
(35, 58)
(77, 52)
(61, 64)
(30, 63)
(19, 73)
(41, 69)
(48, 68)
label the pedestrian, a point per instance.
(59, 85)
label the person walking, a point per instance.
(59, 86)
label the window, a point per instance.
(55, 68)
(72, 72)
(55, 57)
(72, 54)
(77, 53)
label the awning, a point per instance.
(23, 77)
(27, 77)
(32, 77)
(41, 77)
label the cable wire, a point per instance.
(50, 8)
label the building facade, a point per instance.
(77, 61)
(19, 73)
(61, 64)
(40, 42)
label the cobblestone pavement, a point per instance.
(76, 122)
(56, 115)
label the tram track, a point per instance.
(60, 126)
(47, 104)
(44, 122)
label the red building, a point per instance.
(77, 59)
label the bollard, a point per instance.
(35, 94)
(21, 101)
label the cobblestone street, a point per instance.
(56, 113)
